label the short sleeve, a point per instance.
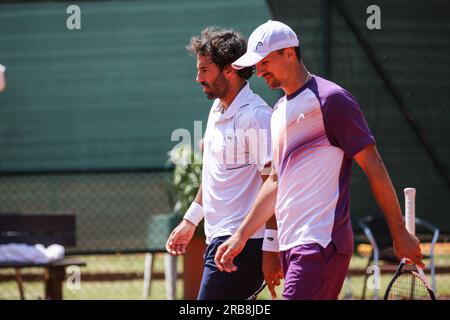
(345, 124)
(260, 149)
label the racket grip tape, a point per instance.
(410, 210)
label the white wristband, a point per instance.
(2, 68)
(270, 242)
(194, 214)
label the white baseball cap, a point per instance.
(268, 37)
(2, 68)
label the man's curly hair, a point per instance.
(223, 46)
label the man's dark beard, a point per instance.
(274, 83)
(218, 88)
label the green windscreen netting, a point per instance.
(107, 96)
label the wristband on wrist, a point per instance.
(270, 242)
(194, 214)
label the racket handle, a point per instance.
(410, 210)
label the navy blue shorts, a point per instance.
(237, 285)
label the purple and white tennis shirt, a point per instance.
(315, 132)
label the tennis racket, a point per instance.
(409, 281)
(255, 295)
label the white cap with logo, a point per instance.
(268, 37)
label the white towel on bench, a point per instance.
(23, 253)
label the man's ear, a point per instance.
(229, 71)
(290, 52)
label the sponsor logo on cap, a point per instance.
(259, 44)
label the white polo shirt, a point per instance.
(237, 145)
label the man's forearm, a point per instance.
(199, 197)
(406, 246)
(262, 209)
(272, 222)
(385, 195)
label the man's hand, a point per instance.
(226, 253)
(272, 270)
(407, 246)
(180, 237)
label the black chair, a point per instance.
(377, 232)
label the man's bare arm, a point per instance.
(406, 245)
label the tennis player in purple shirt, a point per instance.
(318, 129)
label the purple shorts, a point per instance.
(314, 273)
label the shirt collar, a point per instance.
(238, 102)
(299, 90)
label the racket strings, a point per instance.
(408, 286)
